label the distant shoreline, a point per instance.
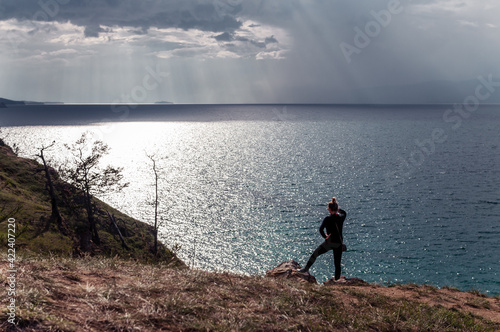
(34, 103)
(84, 114)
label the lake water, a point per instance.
(245, 187)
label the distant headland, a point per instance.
(4, 102)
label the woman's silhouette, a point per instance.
(333, 237)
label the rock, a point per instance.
(289, 270)
(346, 281)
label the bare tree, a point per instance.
(84, 172)
(56, 215)
(156, 201)
(112, 218)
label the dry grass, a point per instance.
(105, 294)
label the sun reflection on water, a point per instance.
(243, 196)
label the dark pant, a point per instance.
(323, 248)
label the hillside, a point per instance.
(24, 197)
(111, 294)
(11, 102)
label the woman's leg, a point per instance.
(337, 258)
(324, 247)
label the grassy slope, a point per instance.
(111, 294)
(23, 197)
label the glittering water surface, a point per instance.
(243, 195)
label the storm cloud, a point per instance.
(91, 14)
(247, 51)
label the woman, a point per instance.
(333, 237)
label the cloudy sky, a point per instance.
(240, 51)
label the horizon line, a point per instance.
(32, 103)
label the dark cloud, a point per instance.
(215, 15)
(93, 30)
(270, 40)
(140, 31)
(229, 37)
(225, 36)
(242, 39)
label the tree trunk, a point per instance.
(56, 215)
(112, 218)
(156, 211)
(85, 241)
(91, 219)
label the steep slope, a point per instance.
(23, 196)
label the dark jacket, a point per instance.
(329, 223)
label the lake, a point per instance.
(245, 187)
